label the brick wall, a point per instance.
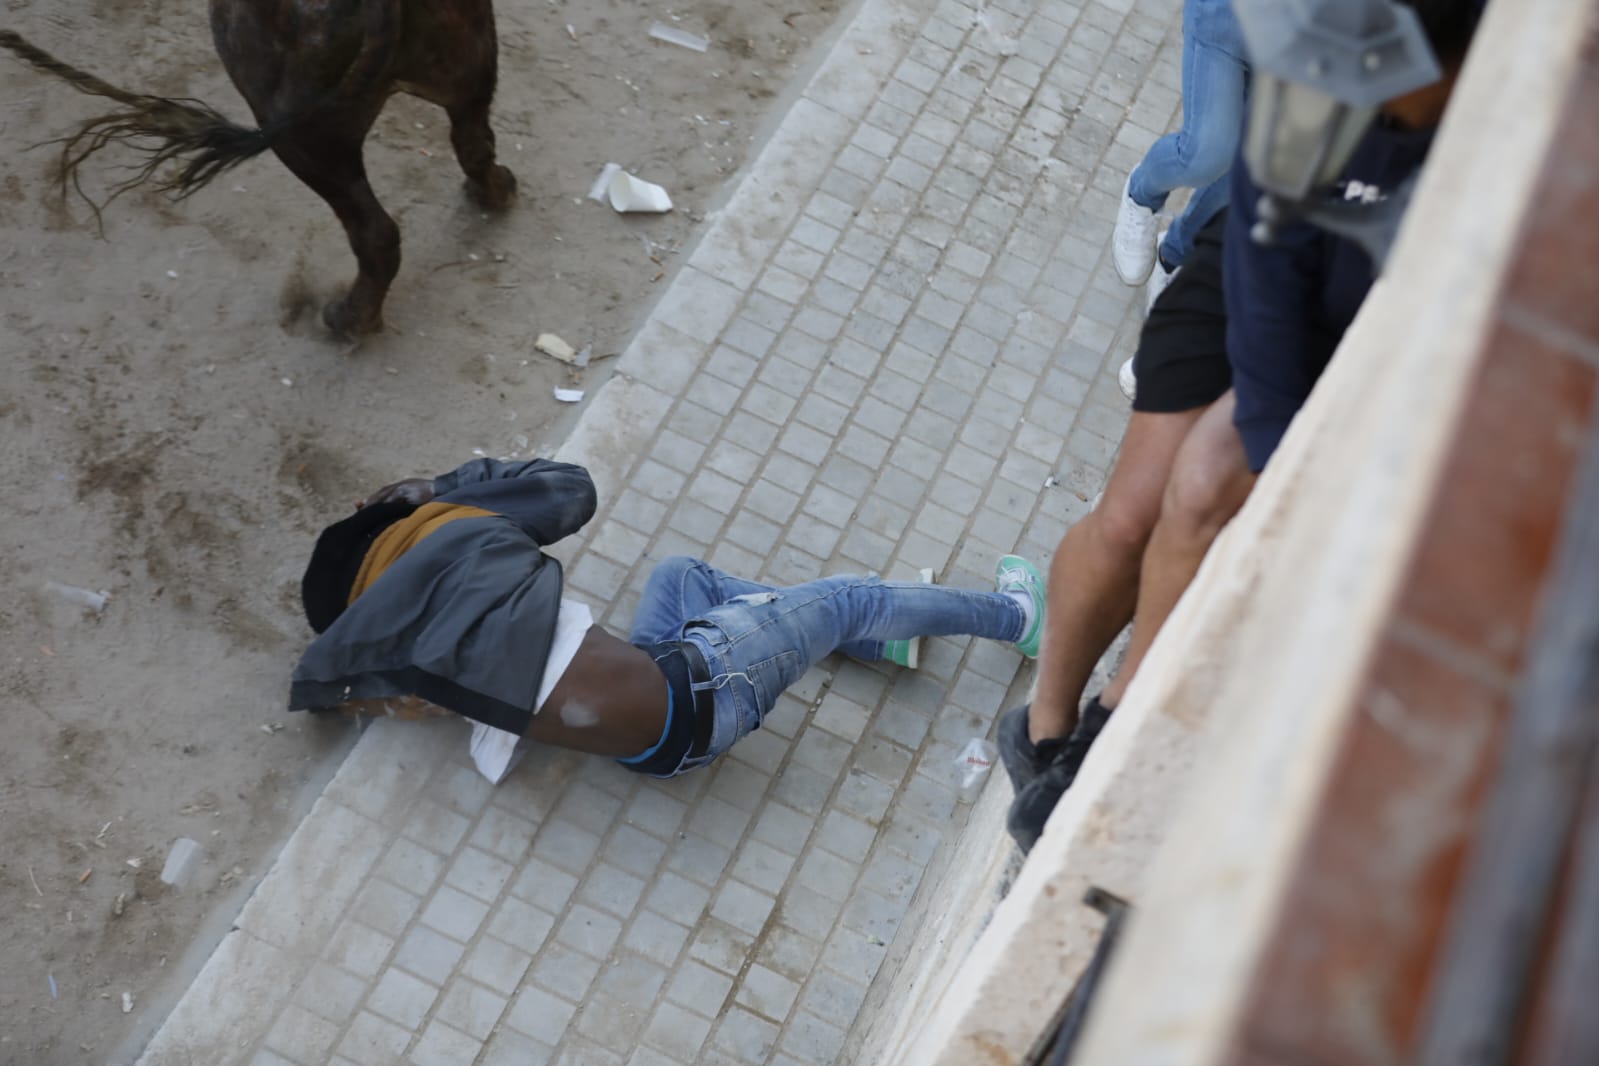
(1361, 931)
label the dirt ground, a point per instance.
(175, 426)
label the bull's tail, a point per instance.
(159, 128)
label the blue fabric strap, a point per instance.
(632, 762)
(688, 713)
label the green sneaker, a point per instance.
(907, 653)
(1015, 574)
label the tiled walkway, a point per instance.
(901, 326)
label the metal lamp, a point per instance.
(1320, 70)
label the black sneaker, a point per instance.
(1036, 800)
(1023, 760)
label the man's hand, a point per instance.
(414, 490)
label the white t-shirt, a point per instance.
(572, 621)
(495, 751)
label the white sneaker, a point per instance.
(1159, 276)
(1132, 246)
(1127, 380)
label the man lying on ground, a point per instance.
(1229, 354)
(439, 589)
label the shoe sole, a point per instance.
(1134, 282)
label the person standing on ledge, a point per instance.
(1198, 156)
(439, 589)
(1246, 331)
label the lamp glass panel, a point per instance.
(1298, 138)
(1352, 123)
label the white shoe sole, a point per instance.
(1133, 280)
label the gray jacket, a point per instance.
(465, 618)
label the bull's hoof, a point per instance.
(346, 320)
(497, 192)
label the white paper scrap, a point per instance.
(672, 35)
(495, 751)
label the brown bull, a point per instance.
(316, 73)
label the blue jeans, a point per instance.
(757, 640)
(1199, 155)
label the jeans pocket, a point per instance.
(768, 679)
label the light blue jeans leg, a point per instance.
(816, 618)
(759, 645)
(1199, 155)
(681, 589)
(1203, 206)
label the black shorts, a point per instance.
(1181, 361)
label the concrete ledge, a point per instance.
(297, 904)
(379, 778)
(963, 1002)
(959, 906)
(1026, 961)
(616, 429)
(658, 354)
(207, 1028)
(749, 229)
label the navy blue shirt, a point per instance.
(1289, 303)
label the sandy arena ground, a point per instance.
(176, 426)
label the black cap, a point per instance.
(337, 558)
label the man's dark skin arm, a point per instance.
(610, 701)
(612, 698)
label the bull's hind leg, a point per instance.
(450, 57)
(491, 184)
(328, 159)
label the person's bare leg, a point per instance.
(1093, 579)
(1209, 483)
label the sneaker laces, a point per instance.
(1138, 226)
(1014, 578)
